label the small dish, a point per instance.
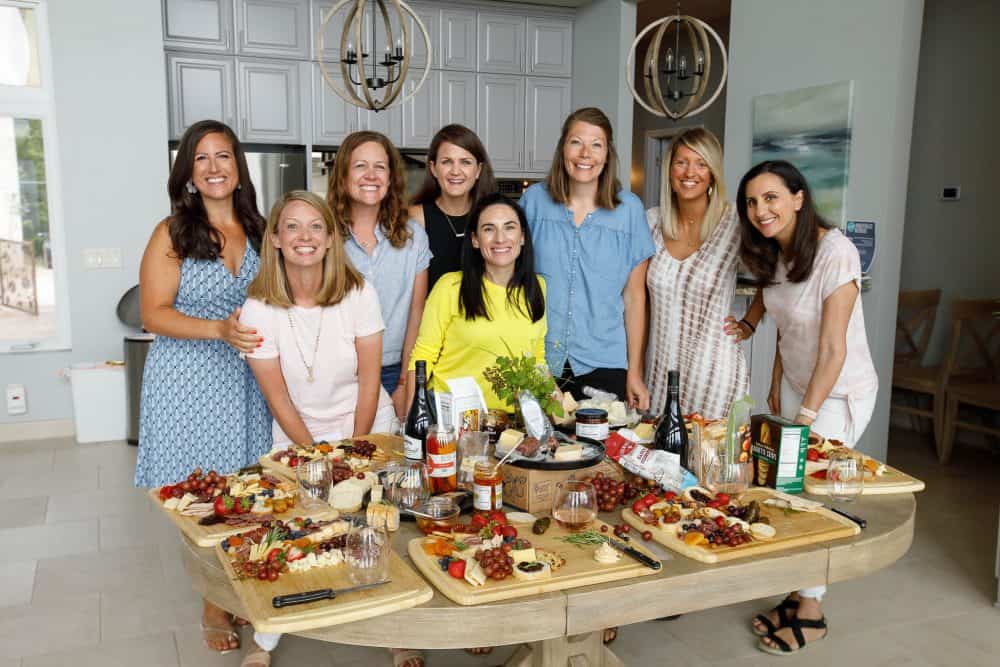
(436, 514)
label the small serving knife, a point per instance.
(280, 601)
(847, 515)
(634, 553)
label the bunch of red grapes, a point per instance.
(611, 493)
(363, 449)
(496, 563)
(341, 471)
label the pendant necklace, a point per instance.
(451, 224)
(312, 364)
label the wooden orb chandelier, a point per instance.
(368, 82)
(674, 87)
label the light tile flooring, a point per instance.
(89, 575)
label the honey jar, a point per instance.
(487, 487)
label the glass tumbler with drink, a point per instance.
(575, 505)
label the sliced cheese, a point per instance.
(537, 570)
(509, 439)
(569, 453)
(523, 555)
(474, 573)
(171, 503)
(186, 500)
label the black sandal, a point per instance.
(796, 624)
(787, 604)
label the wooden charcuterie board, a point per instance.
(794, 529)
(405, 589)
(580, 569)
(388, 447)
(893, 481)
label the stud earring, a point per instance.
(239, 186)
(189, 186)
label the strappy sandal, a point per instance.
(257, 658)
(796, 624)
(787, 604)
(230, 633)
(406, 656)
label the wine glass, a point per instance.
(315, 478)
(846, 475)
(408, 484)
(367, 553)
(574, 506)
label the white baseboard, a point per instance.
(36, 430)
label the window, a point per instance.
(33, 292)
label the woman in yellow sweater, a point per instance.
(494, 306)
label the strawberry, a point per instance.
(166, 491)
(498, 517)
(243, 504)
(295, 554)
(478, 521)
(812, 454)
(223, 505)
(456, 568)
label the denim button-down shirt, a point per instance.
(392, 271)
(586, 269)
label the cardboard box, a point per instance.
(534, 490)
(779, 452)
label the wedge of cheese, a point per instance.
(523, 555)
(569, 453)
(509, 439)
(474, 573)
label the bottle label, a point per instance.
(413, 448)
(482, 496)
(442, 465)
(592, 431)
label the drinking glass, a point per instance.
(725, 476)
(473, 447)
(408, 484)
(574, 506)
(846, 475)
(315, 478)
(367, 553)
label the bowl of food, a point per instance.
(436, 514)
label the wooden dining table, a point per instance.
(564, 628)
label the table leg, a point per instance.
(586, 650)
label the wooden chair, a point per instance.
(914, 325)
(977, 383)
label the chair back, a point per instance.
(974, 348)
(915, 319)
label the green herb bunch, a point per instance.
(513, 374)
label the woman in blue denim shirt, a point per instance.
(592, 245)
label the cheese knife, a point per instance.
(634, 553)
(847, 515)
(280, 601)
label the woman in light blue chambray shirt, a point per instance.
(366, 190)
(592, 245)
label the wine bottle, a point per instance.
(671, 434)
(419, 418)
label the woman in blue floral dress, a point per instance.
(201, 406)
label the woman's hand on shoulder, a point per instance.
(738, 329)
(243, 338)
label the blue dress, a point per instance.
(200, 405)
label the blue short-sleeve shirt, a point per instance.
(392, 271)
(586, 269)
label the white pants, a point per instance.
(837, 419)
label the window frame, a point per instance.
(39, 103)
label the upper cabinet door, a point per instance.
(549, 102)
(202, 25)
(458, 98)
(333, 118)
(500, 106)
(431, 18)
(550, 47)
(277, 28)
(331, 33)
(388, 122)
(200, 88)
(422, 113)
(501, 43)
(457, 41)
(269, 102)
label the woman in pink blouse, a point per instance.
(823, 374)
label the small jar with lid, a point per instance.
(487, 487)
(592, 423)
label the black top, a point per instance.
(445, 245)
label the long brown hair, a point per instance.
(339, 275)
(760, 254)
(191, 235)
(392, 215)
(466, 139)
(608, 185)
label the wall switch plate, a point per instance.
(17, 402)
(951, 193)
(102, 258)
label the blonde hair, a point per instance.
(392, 213)
(608, 185)
(339, 275)
(706, 145)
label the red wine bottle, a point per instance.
(671, 434)
(419, 418)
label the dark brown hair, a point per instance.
(608, 185)
(760, 254)
(392, 215)
(464, 138)
(191, 235)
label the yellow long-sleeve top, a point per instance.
(455, 347)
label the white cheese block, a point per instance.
(474, 573)
(509, 439)
(347, 497)
(171, 503)
(523, 555)
(569, 453)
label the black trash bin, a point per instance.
(136, 349)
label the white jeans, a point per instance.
(837, 419)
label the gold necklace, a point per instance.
(451, 224)
(311, 365)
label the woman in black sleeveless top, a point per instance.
(458, 175)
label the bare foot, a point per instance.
(217, 629)
(809, 610)
(406, 657)
(610, 634)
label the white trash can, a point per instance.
(98, 401)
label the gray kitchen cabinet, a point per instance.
(549, 101)
(458, 98)
(422, 113)
(273, 28)
(500, 42)
(332, 118)
(331, 34)
(500, 120)
(200, 87)
(199, 25)
(550, 46)
(431, 18)
(456, 42)
(269, 101)
(388, 122)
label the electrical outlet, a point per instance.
(102, 258)
(17, 402)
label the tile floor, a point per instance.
(90, 576)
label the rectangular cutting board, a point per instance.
(387, 448)
(893, 481)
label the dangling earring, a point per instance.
(710, 190)
(189, 186)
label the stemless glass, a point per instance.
(846, 475)
(574, 506)
(725, 476)
(408, 484)
(315, 478)
(367, 553)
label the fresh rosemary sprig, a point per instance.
(587, 537)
